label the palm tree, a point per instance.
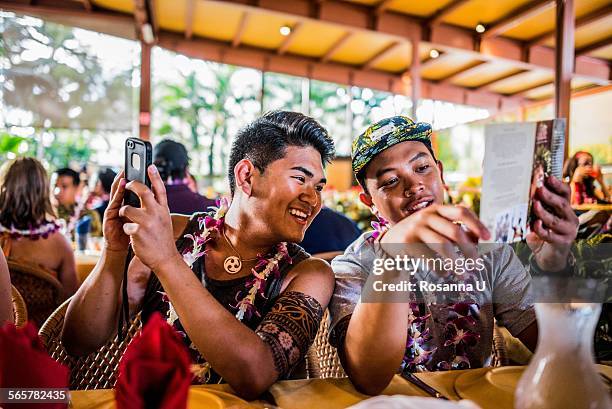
(202, 109)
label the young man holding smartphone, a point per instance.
(251, 329)
(403, 183)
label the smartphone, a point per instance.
(138, 157)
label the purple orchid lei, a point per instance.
(262, 270)
(459, 331)
(43, 230)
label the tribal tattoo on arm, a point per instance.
(290, 328)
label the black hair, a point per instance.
(73, 174)
(106, 176)
(265, 140)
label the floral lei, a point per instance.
(262, 270)
(34, 233)
(458, 331)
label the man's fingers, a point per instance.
(438, 243)
(552, 200)
(556, 186)
(550, 220)
(117, 196)
(467, 218)
(547, 235)
(157, 184)
(115, 183)
(455, 233)
(147, 199)
(133, 214)
(130, 228)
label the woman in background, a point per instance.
(580, 173)
(28, 229)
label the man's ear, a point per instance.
(366, 199)
(243, 172)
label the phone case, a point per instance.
(145, 152)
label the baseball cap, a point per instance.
(383, 135)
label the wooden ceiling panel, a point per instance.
(396, 60)
(484, 73)
(521, 82)
(171, 15)
(216, 21)
(605, 53)
(548, 91)
(482, 11)
(315, 38)
(360, 48)
(126, 6)
(418, 8)
(545, 21)
(263, 30)
(594, 32)
(446, 65)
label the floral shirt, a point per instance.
(444, 332)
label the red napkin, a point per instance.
(24, 363)
(155, 369)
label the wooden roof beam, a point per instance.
(461, 72)
(490, 84)
(336, 46)
(290, 38)
(358, 18)
(594, 46)
(189, 12)
(146, 23)
(241, 28)
(87, 5)
(516, 17)
(382, 6)
(429, 61)
(441, 13)
(587, 19)
(379, 56)
(523, 93)
(340, 73)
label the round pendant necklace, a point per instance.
(233, 264)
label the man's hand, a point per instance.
(555, 229)
(112, 225)
(436, 229)
(151, 225)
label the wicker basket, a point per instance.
(97, 370)
(41, 291)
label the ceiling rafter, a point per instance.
(87, 4)
(244, 20)
(146, 21)
(490, 84)
(189, 15)
(463, 71)
(380, 55)
(589, 48)
(336, 46)
(441, 13)
(587, 19)
(516, 17)
(524, 92)
(290, 38)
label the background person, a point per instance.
(172, 160)
(68, 207)
(28, 227)
(581, 175)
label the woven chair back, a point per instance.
(323, 359)
(41, 291)
(20, 311)
(97, 370)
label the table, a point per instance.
(331, 393)
(85, 262)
